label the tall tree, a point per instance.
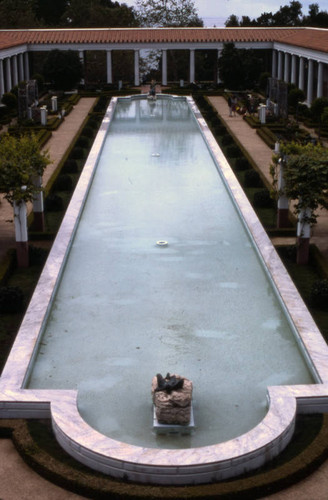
(239, 68)
(15, 14)
(98, 13)
(63, 69)
(21, 161)
(50, 13)
(167, 13)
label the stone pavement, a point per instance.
(18, 481)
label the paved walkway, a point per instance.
(261, 155)
(57, 146)
(18, 481)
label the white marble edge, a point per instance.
(161, 466)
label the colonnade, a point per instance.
(192, 70)
(13, 69)
(305, 72)
(308, 73)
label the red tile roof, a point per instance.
(316, 39)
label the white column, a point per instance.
(301, 74)
(9, 82)
(310, 82)
(109, 66)
(274, 64)
(218, 76)
(2, 80)
(136, 68)
(279, 75)
(164, 67)
(293, 76)
(286, 68)
(192, 66)
(320, 80)
(21, 67)
(15, 70)
(26, 66)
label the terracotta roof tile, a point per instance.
(312, 38)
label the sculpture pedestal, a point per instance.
(173, 408)
(171, 428)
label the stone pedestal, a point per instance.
(173, 408)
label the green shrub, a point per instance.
(83, 142)
(252, 179)
(64, 183)
(10, 100)
(262, 199)
(11, 299)
(54, 203)
(319, 294)
(37, 255)
(227, 140)
(70, 167)
(77, 153)
(242, 164)
(233, 151)
(88, 132)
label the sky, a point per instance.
(252, 8)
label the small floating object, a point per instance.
(162, 243)
(156, 154)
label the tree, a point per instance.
(15, 14)
(50, 13)
(167, 13)
(305, 175)
(98, 13)
(21, 165)
(63, 69)
(239, 68)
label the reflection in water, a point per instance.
(202, 306)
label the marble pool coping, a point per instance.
(162, 466)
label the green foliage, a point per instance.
(54, 203)
(64, 182)
(295, 96)
(167, 13)
(98, 13)
(10, 100)
(63, 69)
(241, 164)
(11, 299)
(239, 68)
(20, 162)
(15, 14)
(305, 176)
(317, 108)
(252, 179)
(262, 199)
(319, 294)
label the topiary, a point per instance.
(242, 164)
(37, 255)
(233, 151)
(319, 294)
(70, 167)
(226, 140)
(77, 153)
(54, 203)
(10, 100)
(262, 199)
(83, 142)
(11, 299)
(64, 183)
(252, 179)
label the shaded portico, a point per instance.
(299, 55)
